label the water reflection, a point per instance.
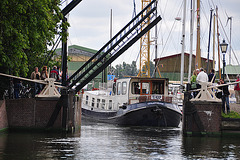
(111, 142)
(211, 147)
(104, 141)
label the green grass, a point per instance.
(232, 114)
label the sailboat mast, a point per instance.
(219, 67)
(209, 40)
(191, 40)
(230, 18)
(198, 50)
(214, 23)
(183, 43)
(156, 47)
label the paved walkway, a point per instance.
(235, 107)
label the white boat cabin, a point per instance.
(113, 95)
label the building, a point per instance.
(78, 56)
(170, 66)
(231, 72)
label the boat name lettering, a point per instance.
(156, 96)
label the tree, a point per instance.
(122, 70)
(26, 28)
(152, 68)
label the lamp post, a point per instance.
(224, 46)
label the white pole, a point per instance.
(230, 41)
(156, 47)
(183, 44)
(191, 40)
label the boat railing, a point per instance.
(154, 97)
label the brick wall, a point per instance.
(30, 112)
(210, 115)
(36, 112)
(202, 116)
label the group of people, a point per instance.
(36, 75)
(201, 76)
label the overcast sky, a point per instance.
(90, 25)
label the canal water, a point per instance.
(110, 142)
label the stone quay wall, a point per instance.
(34, 113)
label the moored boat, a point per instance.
(132, 101)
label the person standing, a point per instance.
(44, 73)
(201, 77)
(225, 96)
(54, 73)
(194, 82)
(36, 76)
(211, 76)
(17, 87)
(237, 90)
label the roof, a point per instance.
(82, 48)
(179, 54)
(232, 69)
(79, 50)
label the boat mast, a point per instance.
(209, 39)
(219, 67)
(110, 65)
(230, 45)
(183, 43)
(214, 23)
(198, 51)
(191, 40)
(156, 47)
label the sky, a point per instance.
(90, 26)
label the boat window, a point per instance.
(93, 101)
(98, 102)
(124, 88)
(158, 87)
(114, 88)
(135, 88)
(86, 99)
(118, 88)
(145, 88)
(110, 104)
(103, 103)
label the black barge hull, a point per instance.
(142, 114)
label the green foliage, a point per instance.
(122, 70)
(232, 114)
(26, 28)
